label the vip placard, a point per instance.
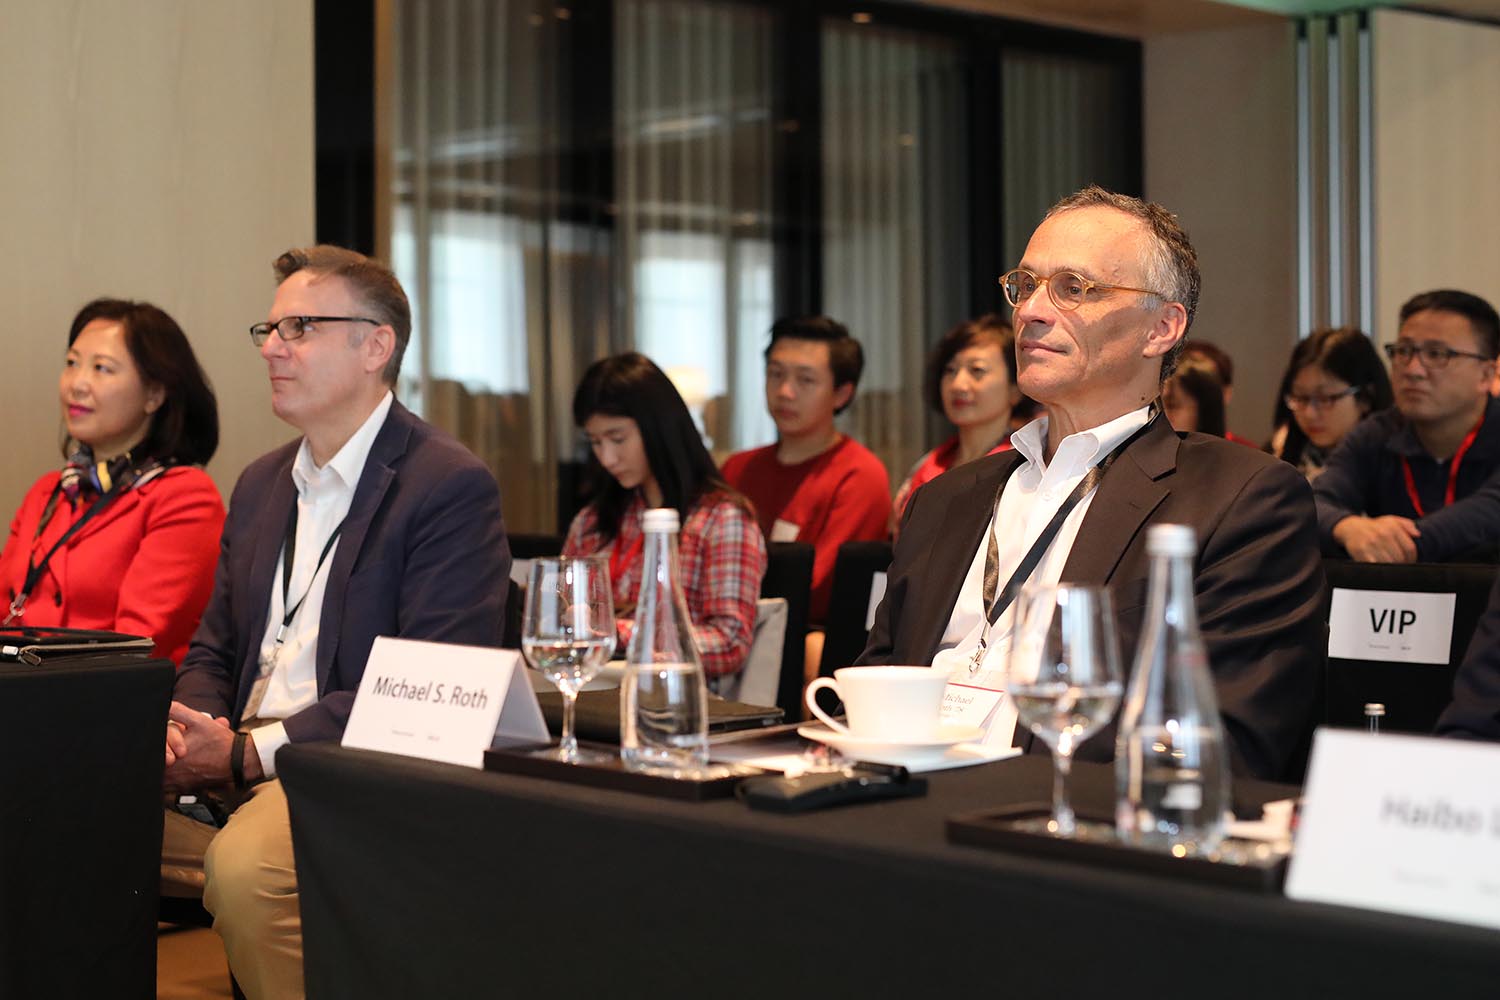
(1390, 625)
(1406, 824)
(442, 702)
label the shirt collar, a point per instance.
(1082, 449)
(344, 468)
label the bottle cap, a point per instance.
(1171, 540)
(660, 519)
(1374, 709)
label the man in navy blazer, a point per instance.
(372, 523)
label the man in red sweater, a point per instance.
(814, 484)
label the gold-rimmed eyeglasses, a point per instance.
(1066, 289)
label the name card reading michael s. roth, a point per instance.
(1390, 625)
(442, 702)
(1406, 824)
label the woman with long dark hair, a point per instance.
(648, 453)
(125, 536)
(1334, 380)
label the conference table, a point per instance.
(424, 879)
(80, 825)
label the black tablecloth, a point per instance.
(420, 879)
(80, 826)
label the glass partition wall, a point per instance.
(565, 181)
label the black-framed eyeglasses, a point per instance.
(1066, 289)
(1435, 357)
(293, 327)
(1299, 404)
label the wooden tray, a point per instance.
(1241, 864)
(612, 774)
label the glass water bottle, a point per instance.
(664, 699)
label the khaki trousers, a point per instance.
(250, 887)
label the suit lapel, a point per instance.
(374, 482)
(960, 531)
(1127, 495)
(270, 537)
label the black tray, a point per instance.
(612, 774)
(1241, 864)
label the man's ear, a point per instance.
(1167, 330)
(378, 347)
(841, 396)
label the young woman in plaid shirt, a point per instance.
(648, 453)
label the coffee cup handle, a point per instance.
(810, 696)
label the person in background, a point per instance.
(814, 484)
(971, 380)
(1334, 380)
(1193, 398)
(1474, 712)
(126, 535)
(1223, 366)
(648, 453)
(1418, 482)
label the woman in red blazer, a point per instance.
(126, 535)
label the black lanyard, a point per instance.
(34, 569)
(288, 555)
(995, 602)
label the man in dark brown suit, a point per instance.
(1103, 299)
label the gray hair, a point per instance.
(371, 281)
(1171, 263)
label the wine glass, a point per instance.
(567, 634)
(1063, 674)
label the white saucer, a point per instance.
(908, 754)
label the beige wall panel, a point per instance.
(1220, 150)
(1437, 159)
(161, 150)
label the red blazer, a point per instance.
(144, 565)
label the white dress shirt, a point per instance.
(288, 682)
(1031, 497)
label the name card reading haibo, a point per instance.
(1405, 824)
(442, 702)
(1390, 625)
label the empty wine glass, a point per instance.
(1063, 673)
(567, 634)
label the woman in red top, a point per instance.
(126, 535)
(648, 453)
(971, 379)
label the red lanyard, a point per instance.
(620, 559)
(1458, 457)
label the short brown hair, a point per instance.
(1171, 266)
(370, 280)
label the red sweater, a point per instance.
(842, 495)
(143, 565)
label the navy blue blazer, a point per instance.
(422, 555)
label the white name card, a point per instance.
(877, 594)
(442, 702)
(1390, 625)
(1406, 824)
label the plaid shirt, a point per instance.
(721, 558)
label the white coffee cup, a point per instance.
(893, 704)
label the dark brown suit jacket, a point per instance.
(1259, 577)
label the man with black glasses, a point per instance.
(371, 523)
(1417, 482)
(1103, 298)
